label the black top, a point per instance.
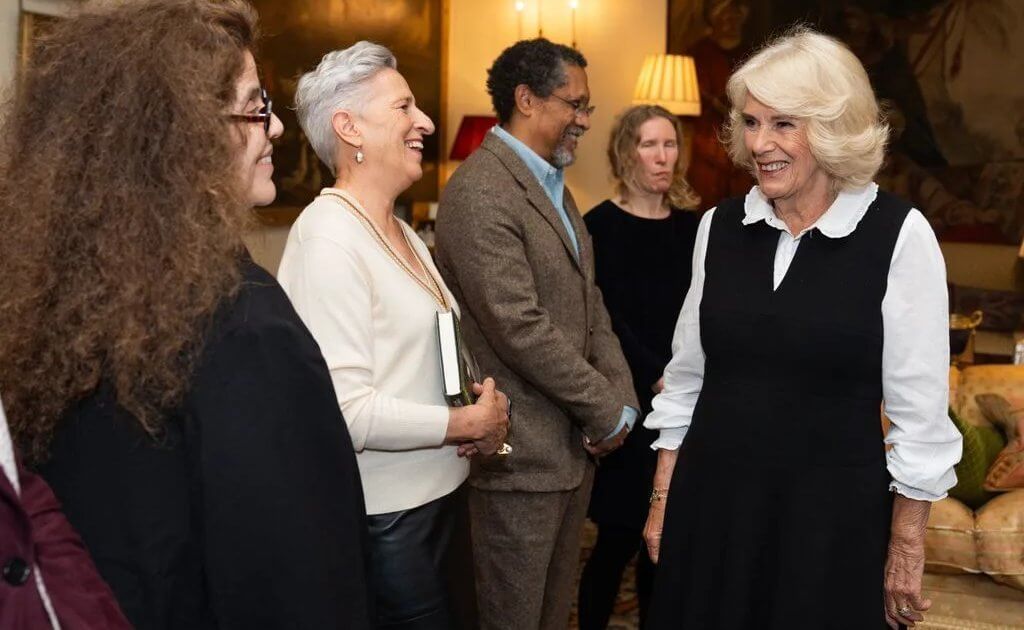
(810, 349)
(643, 271)
(781, 479)
(249, 512)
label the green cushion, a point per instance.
(981, 446)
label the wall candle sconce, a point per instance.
(573, 5)
(520, 7)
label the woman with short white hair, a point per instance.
(813, 300)
(367, 289)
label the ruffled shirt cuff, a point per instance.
(669, 439)
(915, 494)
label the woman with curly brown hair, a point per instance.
(161, 380)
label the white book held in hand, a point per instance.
(456, 373)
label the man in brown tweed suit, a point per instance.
(515, 252)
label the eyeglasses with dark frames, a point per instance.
(263, 116)
(581, 108)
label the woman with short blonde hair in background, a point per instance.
(814, 300)
(643, 242)
(367, 288)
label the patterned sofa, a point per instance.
(975, 558)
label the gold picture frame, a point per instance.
(417, 31)
(30, 26)
(297, 34)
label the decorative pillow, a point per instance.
(1005, 380)
(981, 447)
(1003, 413)
(1000, 532)
(1007, 472)
(949, 539)
(1016, 581)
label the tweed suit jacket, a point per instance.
(532, 317)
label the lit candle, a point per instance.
(574, 4)
(520, 6)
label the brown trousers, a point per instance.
(526, 547)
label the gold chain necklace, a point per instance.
(434, 288)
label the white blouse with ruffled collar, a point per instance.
(915, 314)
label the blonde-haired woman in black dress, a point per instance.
(813, 300)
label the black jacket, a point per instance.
(248, 512)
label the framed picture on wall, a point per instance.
(939, 69)
(297, 34)
(34, 19)
(30, 26)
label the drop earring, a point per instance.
(360, 157)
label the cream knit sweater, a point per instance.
(376, 328)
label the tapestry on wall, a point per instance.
(297, 34)
(945, 71)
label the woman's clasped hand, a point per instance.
(483, 425)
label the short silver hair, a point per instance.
(337, 83)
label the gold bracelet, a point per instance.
(659, 495)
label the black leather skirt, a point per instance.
(422, 566)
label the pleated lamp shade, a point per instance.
(669, 81)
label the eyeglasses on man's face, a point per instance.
(263, 116)
(580, 107)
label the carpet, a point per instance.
(624, 615)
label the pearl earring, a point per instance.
(360, 157)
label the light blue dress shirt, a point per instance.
(552, 180)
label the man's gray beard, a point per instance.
(562, 157)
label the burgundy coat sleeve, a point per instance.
(81, 599)
(20, 604)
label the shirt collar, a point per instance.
(839, 220)
(8, 463)
(543, 170)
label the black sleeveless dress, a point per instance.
(779, 509)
